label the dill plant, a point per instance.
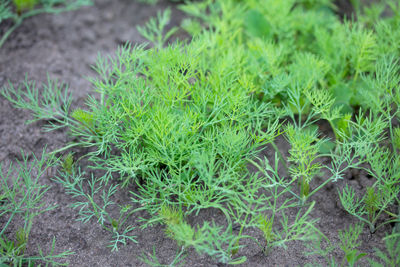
(183, 126)
(391, 258)
(301, 43)
(349, 243)
(184, 122)
(21, 197)
(95, 202)
(315, 67)
(365, 135)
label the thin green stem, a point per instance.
(64, 148)
(397, 225)
(7, 33)
(280, 156)
(13, 214)
(240, 234)
(319, 187)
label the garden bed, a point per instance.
(64, 47)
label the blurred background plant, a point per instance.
(18, 10)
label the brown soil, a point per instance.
(64, 46)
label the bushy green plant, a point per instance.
(349, 243)
(294, 42)
(185, 122)
(316, 67)
(365, 135)
(186, 147)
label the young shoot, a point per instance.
(94, 202)
(155, 31)
(22, 198)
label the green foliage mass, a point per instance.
(301, 42)
(186, 122)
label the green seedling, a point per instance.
(371, 199)
(392, 256)
(21, 240)
(5, 11)
(154, 30)
(342, 127)
(152, 259)
(96, 203)
(86, 120)
(13, 252)
(303, 153)
(172, 217)
(266, 226)
(364, 138)
(22, 199)
(378, 199)
(177, 228)
(207, 239)
(75, 188)
(282, 198)
(349, 243)
(373, 211)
